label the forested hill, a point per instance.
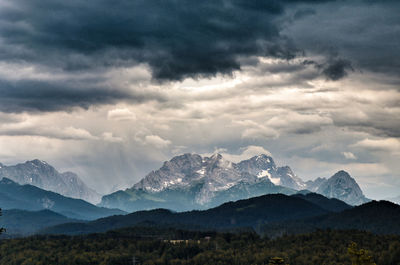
(381, 217)
(32, 198)
(252, 212)
(22, 222)
(156, 246)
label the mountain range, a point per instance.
(43, 175)
(31, 198)
(191, 181)
(251, 213)
(272, 215)
(380, 217)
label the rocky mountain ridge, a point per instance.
(219, 174)
(41, 174)
(341, 186)
(206, 181)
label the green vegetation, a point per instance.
(359, 256)
(154, 245)
(2, 229)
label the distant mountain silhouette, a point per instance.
(272, 215)
(252, 212)
(190, 181)
(380, 217)
(23, 223)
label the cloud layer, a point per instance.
(111, 90)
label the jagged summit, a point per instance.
(215, 173)
(257, 164)
(342, 186)
(38, 162)
(289, 179)
(43, 175)
(192, 181)
(205, 181)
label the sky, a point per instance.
(111, 89)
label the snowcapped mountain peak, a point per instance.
(216, 173)
(257, 164)
(264, 157)
(190, 181)
(208, 176)
(217, 161)
(40, 165)
(38, 161)
(289, 179)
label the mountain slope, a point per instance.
(28, 197)
(44, 176)
(343, 187)
(264, 166)
(251, 212)
(378, 217)
(329, 204)
(191, 181)
(23, 223)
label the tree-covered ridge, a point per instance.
(272, 215)
(152, 245)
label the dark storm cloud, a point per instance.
(334, 69)
(180, 39)
(366, 34)
(380, 122)
(303, 13)
(337, 69)
(177, 39)
(33, 95)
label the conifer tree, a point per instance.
(359, 256)
(1, 228)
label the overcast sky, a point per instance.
(111, 89)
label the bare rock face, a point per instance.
(289, 179)
(40, 174)
(343, 187)
(190, 181)
(214, 173)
